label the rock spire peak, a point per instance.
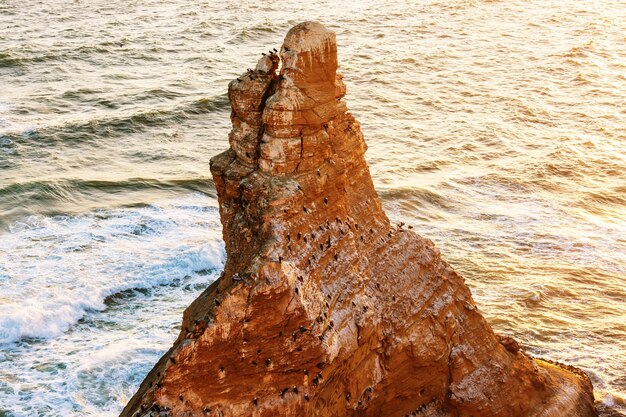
(325, 308)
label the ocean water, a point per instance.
(496, 128)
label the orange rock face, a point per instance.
(324, 308)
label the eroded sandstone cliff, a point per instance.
(324, 308)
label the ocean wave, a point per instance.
(417, 197)
(62, 189)
(599, 201)
(254, 31)
(108, 126)
(82, 261)
(74, 196)
(29, 54)
(9, 60)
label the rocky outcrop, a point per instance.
(324, 308)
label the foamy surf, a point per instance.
(84, 294)
(56, 269)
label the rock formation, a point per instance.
(324, 308)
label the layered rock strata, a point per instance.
(324, 308)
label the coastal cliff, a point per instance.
(324, 307)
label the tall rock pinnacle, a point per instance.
(324, 308)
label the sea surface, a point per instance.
(496, 128)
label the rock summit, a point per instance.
(325, 308)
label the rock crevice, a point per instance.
(324, 307)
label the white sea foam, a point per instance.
(55, 270)
(5, 106)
